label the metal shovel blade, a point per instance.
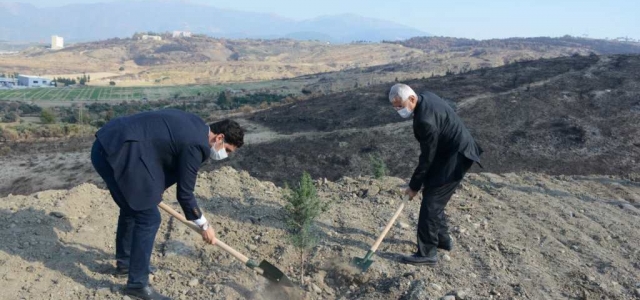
(273, 274)
(361, 263)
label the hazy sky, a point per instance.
(472, 19)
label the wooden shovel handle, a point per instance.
(388, 227)
(195, 227)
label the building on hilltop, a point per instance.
(151, 37)
(57, 42)
(33, 81)
(177, 34)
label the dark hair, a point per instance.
(233, 133)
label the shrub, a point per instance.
(378, 166)
(10, 117)
(5, 150)
(47, 117)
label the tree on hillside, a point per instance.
(47, 117)
(224, 101)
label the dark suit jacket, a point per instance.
(447, 148)
(151, 151)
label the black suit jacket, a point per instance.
(447, 148)
(151, 151)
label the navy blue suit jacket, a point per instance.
(151, 151)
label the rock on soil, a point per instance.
(418, 291)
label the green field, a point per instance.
(107, 93)
(118, 94)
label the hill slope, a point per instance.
(574, 115)
(319, 66)
(524, 235)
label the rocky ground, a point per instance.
(517, 236)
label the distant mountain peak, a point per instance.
(122, 19)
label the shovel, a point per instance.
(364, 263)
(266, 269)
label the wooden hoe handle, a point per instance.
(387, 228)
(195, 227)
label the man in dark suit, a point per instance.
(141, 155)
(447, 151)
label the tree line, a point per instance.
(82, 80)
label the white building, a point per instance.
(152, 37)
(177, 34)
(7, 82)
(57, 42)
(33, 81)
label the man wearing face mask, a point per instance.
(141, 155)
(447, 151)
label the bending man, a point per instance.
(141, 155)
(447, 151)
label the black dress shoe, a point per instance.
(145, 293)
(123, 271)
(446, 245)
(418, 260)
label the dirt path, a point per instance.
(258, 134)
(524, 236)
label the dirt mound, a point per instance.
(525, 236)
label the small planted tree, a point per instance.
(378, 166)
(302, 209)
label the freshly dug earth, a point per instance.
(517, 236)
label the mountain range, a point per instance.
(96, 21)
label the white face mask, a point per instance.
(405, 112)
(218, 154)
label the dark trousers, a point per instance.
(136, 229)
(432, 224)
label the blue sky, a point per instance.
(471, 19)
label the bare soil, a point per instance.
(517, 236)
